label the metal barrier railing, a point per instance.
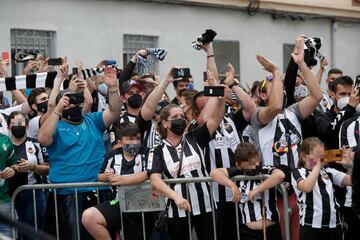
(98, 185)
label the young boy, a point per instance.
(123, 166)
(248, 192)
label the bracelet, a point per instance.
(112, 92)
(209, 56)
(233, 84)
(56, 113)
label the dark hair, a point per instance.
(195, 109)
(164, 115)
(15, 113)
(335, 71)
(175, 83)
(344, 80)
(188, 95)
(307, 146)
(244, 151)
(33, 94)
(254, 87)
(126, 129)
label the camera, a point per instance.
(75, 98)
(55, 61)
(214, 91)
(207, 37)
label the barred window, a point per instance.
(133, 43)
(30, 41)
(227, 52)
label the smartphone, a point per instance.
(214, 91)
(75, 71)
(55, 61)
(5, 56)
(75, 98)
(110, 62)
(333, 155)
(181, 73)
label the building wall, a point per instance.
(91, 30)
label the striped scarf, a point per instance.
(37, 80)
(154, 55)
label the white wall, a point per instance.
(92, 30)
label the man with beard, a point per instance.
(76, 151)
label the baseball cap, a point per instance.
(128, 84)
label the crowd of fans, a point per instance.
(121, 127)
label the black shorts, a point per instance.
(111, 212)
(133, 227)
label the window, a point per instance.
(287, 50)
(35, 41)
(133, 43)
(227, 52)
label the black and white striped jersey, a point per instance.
(278, 140)
(349, 132)
(116, 161)
(165, 159)
(219, 153)
(251, 211)
(318, 208)
(148, 131)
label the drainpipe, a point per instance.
(332, 43)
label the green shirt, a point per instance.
(7, 159)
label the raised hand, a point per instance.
(110, 77)
(31, 65)
(62, 104)
(64, 69)
(3, 69)
(267, 64)
(44, 65)
(230, 75)
(298, 53)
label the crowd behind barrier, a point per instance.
(146, 206)
(69, 131)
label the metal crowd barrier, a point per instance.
(144, 205)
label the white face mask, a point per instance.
(342, 102)
(102, 88)
(358, 108)
(300, 92)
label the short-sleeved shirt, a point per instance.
(318, 208)
(165, 159)
(278, 140)
(7, 159)
(251, 211)
(77, 151)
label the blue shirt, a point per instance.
(77, 151)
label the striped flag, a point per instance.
(36, 80)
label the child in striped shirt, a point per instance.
(313, 185)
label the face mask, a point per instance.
(133, 149)
(342, 102)
(178, 126)
(73, 114)
(135, 101)
(42, 107)
(301, 92)
(18, 131)
(161, 105)
(103, 89)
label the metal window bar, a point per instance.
(30, 41)
(281, 187)
(133, 43)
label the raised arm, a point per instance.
(247, 104)
(129, 68)
(308, 104)
(210, 60)
(276, 97)
(323, 65)
(149, 107)
(111, 114)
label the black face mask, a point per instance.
(73, 114)
(178, 126)
(135, 101)
(18, 131)
(133, 149)
(42, 107)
